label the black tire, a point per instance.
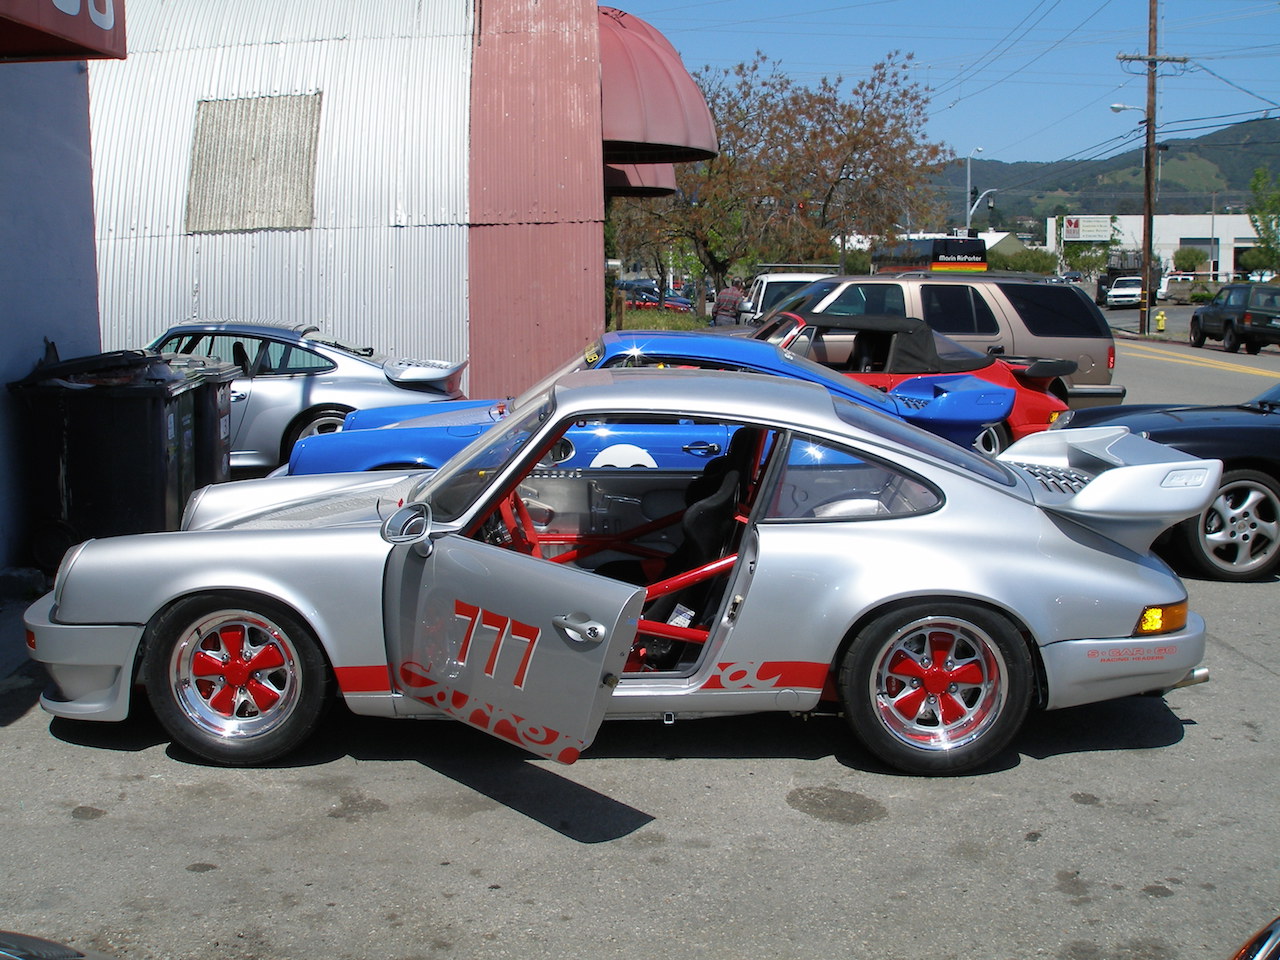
(210, 696)
(994, 439)
(309, 424)
(1252, 347)
(887, 680)
(1195, 335)
(1230, 339)
(1237, 537)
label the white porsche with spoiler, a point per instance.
(824, 557)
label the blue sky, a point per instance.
(1022, 79)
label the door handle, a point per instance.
(702, 448)
(580, 629)
(238, 395)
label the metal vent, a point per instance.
(253, 164)
(1057, 479)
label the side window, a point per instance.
(1238, 296)
(300, 360)
(1221, 299)
(957, 308)
(860, 299)
(825, 481)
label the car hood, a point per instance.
(1122, 486)
(1154, 418)
(322, 500)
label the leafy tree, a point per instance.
(1264, 214)
(1189, 259)
(798, 167)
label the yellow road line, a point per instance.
(1150, 352)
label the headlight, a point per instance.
(64, 570)
(1163, 618)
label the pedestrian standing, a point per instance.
(728, 301)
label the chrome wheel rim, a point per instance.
(939, 683)
(234, 674)
(1239, 530)
(326, 423)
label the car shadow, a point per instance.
(503, 773)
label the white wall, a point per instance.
(48, 280)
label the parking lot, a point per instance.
(1138, 829)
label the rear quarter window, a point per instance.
(1052, 310)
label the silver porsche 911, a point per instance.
(825, 557)
(296, 383)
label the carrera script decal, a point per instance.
(753, 675)
(1131, 654)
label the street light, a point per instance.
(968, 185)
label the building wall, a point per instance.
(378, 256)
(1231, 231)
(536, 190)
(48, 287)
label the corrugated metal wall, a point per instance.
(385, 260)
(536, 186)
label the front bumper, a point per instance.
(1089, 671)
(91, 665)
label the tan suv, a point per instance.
(1001, 315)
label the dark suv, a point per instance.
(999, 315)
(1240, 313)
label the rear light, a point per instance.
(1164, 618)
(31, 641)
(1247, 319)
(1111, 357)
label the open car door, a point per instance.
(523, 649)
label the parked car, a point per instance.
(1073, 276)
(997, 315)
(1173, 280)
(1124, 292)
(770, 289)
(884, 351)
(1237, 535)
(1240, 314)
(649, 300)
(959, 408)
(833, 555)
(297, 384)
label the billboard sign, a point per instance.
(1088, 229)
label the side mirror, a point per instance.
(410, 524)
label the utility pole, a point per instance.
(1152, 61)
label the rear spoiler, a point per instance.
(1125, 487)
(439, 375)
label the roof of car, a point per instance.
(714, 393)
(251, 327)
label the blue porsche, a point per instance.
(426, 435)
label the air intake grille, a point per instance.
(1057, 479)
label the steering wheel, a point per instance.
(515, 516)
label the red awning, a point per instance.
(61, 29)
(653, 112)
(639, 179)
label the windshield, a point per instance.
(462, 481)
(1270, 398)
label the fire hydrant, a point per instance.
(1160, 318)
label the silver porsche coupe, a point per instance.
(824, 557)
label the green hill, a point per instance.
(1196, 175)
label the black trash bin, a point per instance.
(110, 448)
(212, 414)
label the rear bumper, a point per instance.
(1082, 395)
(1089, 671)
